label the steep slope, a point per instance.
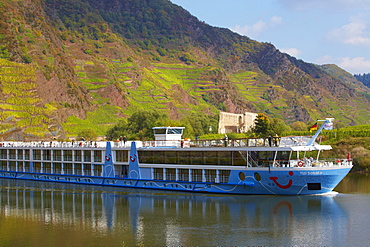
(92, 61)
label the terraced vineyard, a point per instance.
(20, 104)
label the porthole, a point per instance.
(257, 176)
(241, 176)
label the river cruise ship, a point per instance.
(283, 166)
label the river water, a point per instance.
(50, 214)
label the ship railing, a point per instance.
(309, 162)
(56, 144)
(166, 143)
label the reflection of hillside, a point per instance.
(172, 218)
(354, 183)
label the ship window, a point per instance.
(183, 174)
(3, 154)
(3, 165)
(37, 166)
(20, 154)
(46, 167)
(170, 174)
(158, 173)
(197, 175)
(57, 168)
(27, 167)
(144, 156)
(224, 158)
(122, 155)
(210, 175)
(57, 155)
(314, 186)
(37, 154)
(239, 158)
(87, 169)
(27, 154)
(46, 155)
(78, 169)
(78, 155)
(210, 158)
(12, 153)
(67, 155)
(170, 157)
(97, 170)
(257, 176)
(160, 131)
(241, 176)
(68, 169)
(87, 156)
(98, 156)
(224, 176)
(12, 166)
(174, 131)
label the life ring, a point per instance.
(300, 163)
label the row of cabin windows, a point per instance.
(55, 155)
(53, 168)
(193, 175)
(227, 158)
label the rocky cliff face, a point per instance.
(66, 66)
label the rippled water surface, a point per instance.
(49, 214)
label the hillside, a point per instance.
(66, 66)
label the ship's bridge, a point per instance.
(168, 133)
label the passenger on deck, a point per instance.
(270, 140)
(276, 140)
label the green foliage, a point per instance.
(299, 126)
(261, 127)
(138, 126)
(88, 135)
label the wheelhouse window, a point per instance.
(174, 131)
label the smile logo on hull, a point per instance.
(287, 186)
(133, 158)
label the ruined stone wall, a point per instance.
(237, 123)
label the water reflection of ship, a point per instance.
(171, 214)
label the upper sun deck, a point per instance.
(289, 143)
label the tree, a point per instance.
(265, 126)
(261, 127)
(277, 126)
(88, 135)
(299, 126)
(139, 125)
